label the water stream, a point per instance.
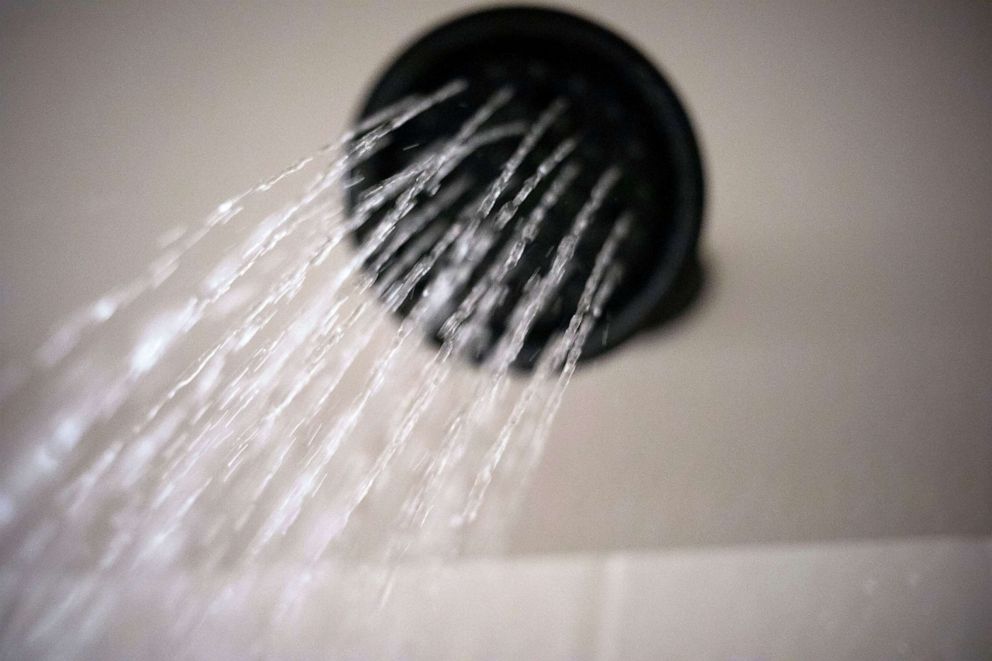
(261, 403)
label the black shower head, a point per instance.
(619, 111)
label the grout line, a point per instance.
(610, 610)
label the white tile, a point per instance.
(899, 599)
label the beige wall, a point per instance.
(835, 381)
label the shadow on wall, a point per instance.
(689, 289)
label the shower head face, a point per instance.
(620, 111)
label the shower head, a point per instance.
(600, 119)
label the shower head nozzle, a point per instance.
(598, 117)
